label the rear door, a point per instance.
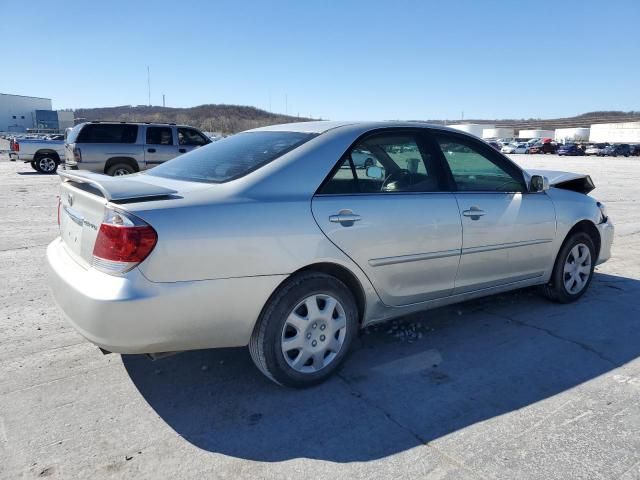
(394, 217)
(160, 146)
(507, 231)
(190, 139)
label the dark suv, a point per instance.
(120, 148)
(622, 149)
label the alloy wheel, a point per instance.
(47, 164)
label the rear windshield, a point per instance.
(232, 157)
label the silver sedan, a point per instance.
(279, 238)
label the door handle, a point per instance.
(474, 212)
(345, 217)
(151, 150)
(182, 150)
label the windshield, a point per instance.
(232, 157)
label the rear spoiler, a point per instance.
(116, 189)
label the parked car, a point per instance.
(515, 148)
(91, 146)
(634, 150)
(543, 147)
(569, 149)
(621, 149)
(43, 155)
(595, 149)
(495, 145)
(262, 239)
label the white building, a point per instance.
(577, 134)
(628, 132)
(497, 132)
(472, 128)
(527, 134)
(65, 119)
(17, 112)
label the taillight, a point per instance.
(16, 146)
(123, 242)
(77, 155)
(59, 202)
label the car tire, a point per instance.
(572, 271)
(286, 322)
(120, 169)
(46, 164)
(33, 165)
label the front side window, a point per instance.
(475, 169)
(386, 163)
(189, 136)
(232, 157)
(159, 136)
(108, 133)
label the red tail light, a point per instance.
(123, 242)
(16, 146)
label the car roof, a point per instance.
(323, 126)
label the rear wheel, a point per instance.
(573, 270)
(46, 164)
(120, 169)
(305, 331)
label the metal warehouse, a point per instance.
(19, 113)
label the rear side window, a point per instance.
(232, 157)
(108, 133)
(159, 136)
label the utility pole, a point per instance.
(149, 84)
(163, 100)
(286, 104)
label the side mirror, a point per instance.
(538, 183)
(375, 172)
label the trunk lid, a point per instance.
(83, 199)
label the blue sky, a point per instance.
(331, 59)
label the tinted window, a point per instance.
(159, 136)
(386, 163)
(475, 168)
(231, 157)
(107, 133)
(189, 136)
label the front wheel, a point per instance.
(573, 270)
(33, 165)
(305, 330)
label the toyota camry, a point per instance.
(281, 238)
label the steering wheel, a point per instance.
(396, 180)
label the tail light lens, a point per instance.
(123, 242)
(77, 155)
(16, 146)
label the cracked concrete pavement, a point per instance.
(509, 386)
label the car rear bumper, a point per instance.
(130, 314)
(606, 230)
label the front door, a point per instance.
(394, 217)
(160, 146)
(190, 139)
(507, 231)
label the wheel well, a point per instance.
(44, 153)
(345, 276)
(590, 229)
(126, 160)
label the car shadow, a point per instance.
(407, 382)
(33, 173)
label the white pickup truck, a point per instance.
(43, 155)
